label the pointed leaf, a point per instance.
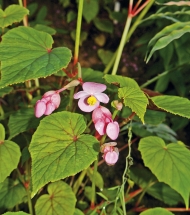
(22, 120)
(167, 35)
(78, 212)
(169, 163)
(135, 99)
(156, 211)
(58, 146)
(9, 158)
(104, 25)
(2, 133)
(16, 213)
(173, 104)
(27, 54)
(11, 193)
(60, 200)
(13, 13)
(121, 81)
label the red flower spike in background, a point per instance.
(111, 153)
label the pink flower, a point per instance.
(111, 153)
(49, 102)
(91, 96)
(104, 124)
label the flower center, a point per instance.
(91, 100)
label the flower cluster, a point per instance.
(89, 100)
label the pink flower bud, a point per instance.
(111, 153)
(40, 108)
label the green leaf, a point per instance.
(2, 133)
(89, 74)
(166, 36)
(105, 56)
(83, 36)
(78, 212)
(45, 28)
(90, 9)
(27, 54)
(173, 104)
(12, 193)
(58, 146)
(21, 121)
(16, 213)
(169, 163)
(60, 200)
(5, 91)
(135, 99)
(121, 81)
(71, 16)
(9, 158)
(13, 13)
(156, 211)
(97, 177)
(103, 25)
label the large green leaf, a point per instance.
(13, 13)
(156, 211)
(166, 36)
(21, 121)
(135, 99)
(169, 163)
(90, 9)
(26, 53)
(2, 133)
(59, 147)
(78, 212)
(60, 200)
(11, 193)
(16, 213)
(173, 104)
(121, 81)
(9, 158)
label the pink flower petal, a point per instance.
(97, 115)
(49, 93)
(112, 130)
(81, 94)
(106, 112)
(100, 127)
(56, 99)
(50, 107)
(84, 106)
(111, 157)
(40, 108)
(102, 97)
(92, 87)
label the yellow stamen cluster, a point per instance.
(91, 100)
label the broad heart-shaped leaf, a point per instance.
(26, 53)
(59, 149)
(173, 104)
(169, 163)
(9, 158)
(135, 99)
(78, 212)
(156, 211)
(16, 213)
(2, 133)
(21, 121)
(90, 9)
(11, 193)
(166, 36)
(60, 200)
(121, 81)
(13, 13)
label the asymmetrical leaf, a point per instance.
(16, 213)
(2, 133)
(26, 53)
(60, 200)
(173, 104)
(9, 158)
(156, 211)
(21, 121)
(172, 159)
(11, 193)
(13, 13)
(167, 35)
(59, 147)
(135, 99)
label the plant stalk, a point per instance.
(93, 199)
